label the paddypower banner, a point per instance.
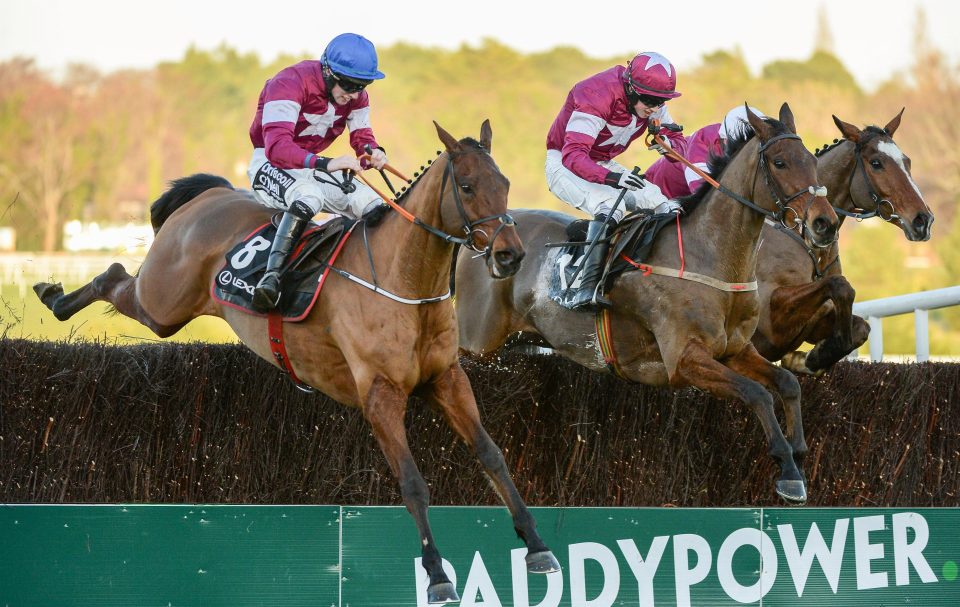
(646, 557)
(340, 556)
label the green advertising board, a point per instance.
(366, 556)
(160, 555)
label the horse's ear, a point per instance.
(486, 135)
(786, 117)
(449, 142)
(760, 126)
(892, 126)
(849, 132)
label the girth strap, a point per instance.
(733, 287)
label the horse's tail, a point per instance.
(181, 192)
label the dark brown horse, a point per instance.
(667, 331)
(361, 349)
(803, 295)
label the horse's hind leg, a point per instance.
(114, 286)
(697, 367)
(453, 394)
(778, 380)
(384, 409)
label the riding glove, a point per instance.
(625, 181)
(661, 148)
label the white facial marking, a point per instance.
(890, 149)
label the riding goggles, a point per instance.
(350, 85)
(652, 101)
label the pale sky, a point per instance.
(873, 38)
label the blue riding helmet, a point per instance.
(353, 56)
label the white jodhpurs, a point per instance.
(279, 188)
(597, 198)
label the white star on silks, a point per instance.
(620, 135)
(320, 123)
(658, 59)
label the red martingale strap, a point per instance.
(279, 350)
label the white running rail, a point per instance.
(875, 310)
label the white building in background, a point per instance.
(129, 238)
(8, 239)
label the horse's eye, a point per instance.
(466, 188)
(876, 164)
(779, 163)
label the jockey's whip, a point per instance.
(606, 222)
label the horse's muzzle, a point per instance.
(824, 231)
(919, 229)
(505, 262)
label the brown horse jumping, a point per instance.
(361, 349)
(803, 295)
(667, 331)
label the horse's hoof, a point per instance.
(542, 562)
(48, 293)
(444, 592)
(794, 492)
(796, 362)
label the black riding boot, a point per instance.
(589, 294)
(267, 293)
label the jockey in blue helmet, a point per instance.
(301, 111)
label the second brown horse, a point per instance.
(667, 331)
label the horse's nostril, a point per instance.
(508, 258)
(921, 221)
(821, 225)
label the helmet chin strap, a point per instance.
(632, 98)
(328, 80)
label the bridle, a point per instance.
(878, 202)
(470, 227)
(781, 200)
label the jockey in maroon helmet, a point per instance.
(600, 118)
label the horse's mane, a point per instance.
(866, 135)
(402, 194)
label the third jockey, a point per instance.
(676, 180)
(301, 111)
(601, 117)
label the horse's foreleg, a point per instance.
(384, 408)
(778, 380)
(697, 367)
(829, 351)
(454, 395)
(114, 286)
(794, 311)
